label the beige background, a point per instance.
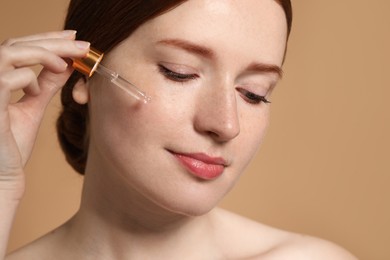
(324, 169)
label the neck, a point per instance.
(122, 224)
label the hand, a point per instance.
(19, 122)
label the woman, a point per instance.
(153, 172)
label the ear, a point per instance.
(80, 92)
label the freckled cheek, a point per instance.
(253, 131)
(120, 114)
(263, 126)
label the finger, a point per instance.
(23, 78)
(20, 56)
(61, 47)
(66, 34)
(49, 84)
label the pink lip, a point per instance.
(202, 165)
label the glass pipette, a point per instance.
(91, 64)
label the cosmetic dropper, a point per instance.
(91, 64)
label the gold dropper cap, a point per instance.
(88, 64)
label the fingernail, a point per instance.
(82, 45)
(69, 33)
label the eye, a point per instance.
(253, 98)
(178, 77)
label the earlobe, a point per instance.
(80, 92)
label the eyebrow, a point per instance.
(190, 47)
(265, 68)
(210, 54)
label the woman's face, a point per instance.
(206, 64)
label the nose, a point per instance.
(217, 114)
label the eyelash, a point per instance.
(251, 97)
(178, 77)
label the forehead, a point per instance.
(253, 28)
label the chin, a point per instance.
(192, 200)
(191, 210)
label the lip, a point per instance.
(201, 165)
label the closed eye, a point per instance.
(178, 77)
(253, 98)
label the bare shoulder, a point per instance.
(242, 238)
(40, 249)
(304, 247)
(25, 252)
(33, 251)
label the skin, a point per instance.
(146, 205)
